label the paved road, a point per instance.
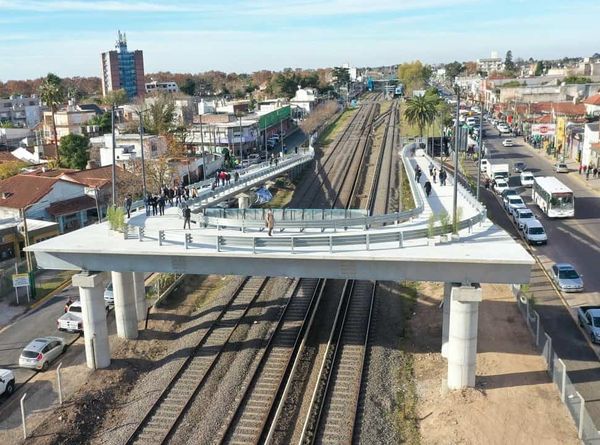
(37, 323)
(572, 240)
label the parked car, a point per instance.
(484, 164)
(534, 232)
(507, 194)
(589, 320)
(109, 297)
(72, 320)
(519, 166)
(514, 203)
(7, 382)
(527, 179)
(508, 142)
(254, 159)
(566, 277)
(41, 352)
(522, 217)
(500, 185)
(561, 167)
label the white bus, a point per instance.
(554, 198)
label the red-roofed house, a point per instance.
(592, 105)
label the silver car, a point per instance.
(566, 278)
(40, 352)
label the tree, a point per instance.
(104, 122)
(74, 149)
(340, 76)
(160, 115)
(509, 65)
(421, 111)
(471, 68)
(52, 94)
(539, 69)
(413, 75)
(453, 70)
(12, 168)
(115, 97)
(576, 80)
(188, 86)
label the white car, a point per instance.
(508, 142)
(534, 232)
(7, 382)
(514, 203)
(522, 217)
(40, 352)
(527, 179)
(561, 167)
(500, 186)
(109, 297)
(484, 164)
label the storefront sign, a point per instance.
(20, 280)
(543, 129)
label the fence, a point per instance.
(575, 403)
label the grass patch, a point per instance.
(412, 131)
(385, 105)
(44, 288)
(408, 202)
(333, 130)
(406, 417)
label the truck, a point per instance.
(495, 169)
(72, 320)
(589, 320)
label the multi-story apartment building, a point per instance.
(72, 120)
(123, 69)
(164, 87)
(21, 111)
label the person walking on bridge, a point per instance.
(427, 188)
(270, 221)
(187, 217)
(128, 202)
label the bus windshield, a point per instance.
(561, 201)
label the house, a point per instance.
(592, 105)
(127, 149)
(305, 99)
(72, 120)
(590, 152)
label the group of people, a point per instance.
(223, 177)
(176, 195)
(433, 174)
(589, 170)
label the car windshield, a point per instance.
(528, 177)
(525, 215)
(75, 309)
(515, 200)
(536, 231)
(29, 354)
(596, 321)
(569, 274)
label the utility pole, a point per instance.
(456, 145)
(28, 260)
(203, 153)
(241, 149)
(480, 149)
(114, 168)
(145, 194)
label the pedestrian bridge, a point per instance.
(406, 245)
(412, 245)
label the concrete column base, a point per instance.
(140, 295)
(446, 318)
(91, 295)
(125, 305)
(243, 201)
(462, 344)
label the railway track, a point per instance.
(160, 420)
(383, 179)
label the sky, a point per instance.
(67, 36)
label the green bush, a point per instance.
(445, 222)
(116, 218)
(431, 226)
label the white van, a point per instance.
(534, 232)
(484, 164)
(526, 179)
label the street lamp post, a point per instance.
(480, 149)
(203, 152)
(114, 168)
(144, 191)
(456, 144)
(241, 149)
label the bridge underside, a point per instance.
(489, 256)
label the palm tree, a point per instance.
(52, 94)
(421, 111)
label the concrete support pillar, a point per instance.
(243, 201)
(446, 318)
(462, 350)
(91, 295)
(125, 307)
(140, 295)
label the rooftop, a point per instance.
(19, 191)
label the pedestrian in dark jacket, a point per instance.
(427, 187)
(187, 215)
(127, 205)
(433, 174)
(154, 204)
(161, 205)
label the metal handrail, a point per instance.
(364, 240)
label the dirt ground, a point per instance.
(92, 408)
(514, 400)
